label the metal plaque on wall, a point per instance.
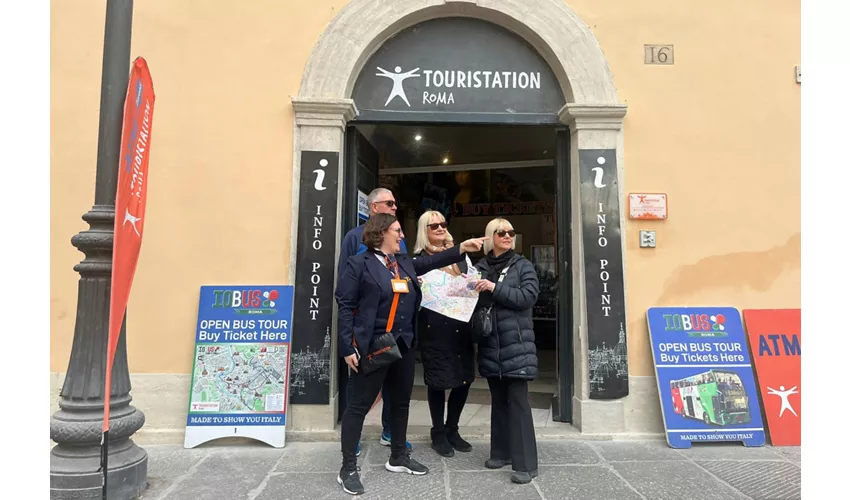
(458, 69)
(603, 269)
(310, 367)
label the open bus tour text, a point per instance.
(701, 352)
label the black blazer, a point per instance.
(364, 294)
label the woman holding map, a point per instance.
(378, 296)
(446, 346)
(507, 357)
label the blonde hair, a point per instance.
(489, 232)
(422, 240)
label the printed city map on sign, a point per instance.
(705, 378)
(240, 377)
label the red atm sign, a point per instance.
(774, 337)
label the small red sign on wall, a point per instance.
(774, 336)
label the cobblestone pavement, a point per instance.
(569, 469)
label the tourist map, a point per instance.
(451, 296)
(232, 378)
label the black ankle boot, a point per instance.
(441, 444)
(458, 442)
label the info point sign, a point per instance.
(705, 377)
(240, 378)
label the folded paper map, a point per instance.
(451, 296)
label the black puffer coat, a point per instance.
(448, 354)
(510, 351)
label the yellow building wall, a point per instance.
(719, 131)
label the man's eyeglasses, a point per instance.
(435, 225)
(501, 233)
(390, 203)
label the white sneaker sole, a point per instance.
(384, 442)
(401, 468)
(339, 480)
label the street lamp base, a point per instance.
(75, 460)
(74, 471)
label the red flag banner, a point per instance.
(775, 343)
(129, 205)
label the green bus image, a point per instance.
(715, 397)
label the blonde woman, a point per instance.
(507, 358)
(446, 347)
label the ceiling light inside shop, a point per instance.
(417, 137)
(445, 161)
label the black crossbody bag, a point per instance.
(482, 318)
(383, 350)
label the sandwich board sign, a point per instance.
(775, 339)
(705, 377)
(240, 379)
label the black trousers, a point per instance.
(511, 425)
(399, 379)
(437, 405)
(385, 395)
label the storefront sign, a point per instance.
(314, 278)
(362, 207)
(514, 208)
(775, 344)
(647, 206)
(241, 364)
(458, 69)
(603, 269)
(705, 380)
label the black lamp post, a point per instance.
(76, 427)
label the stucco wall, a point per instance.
(719, 131)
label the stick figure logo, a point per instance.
(398, 79)
(783, 394)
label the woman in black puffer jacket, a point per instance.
(507, 358)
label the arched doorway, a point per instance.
(593, 115)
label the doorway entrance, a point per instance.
(532, 63)
(472, 174)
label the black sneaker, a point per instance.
(458, 442)
(523, 477)
(495, 463)
(350, 481)
(406, 464)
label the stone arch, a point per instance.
(362, 26)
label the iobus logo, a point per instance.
(697, 325)
(246, 301)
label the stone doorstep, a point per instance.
(415, 434)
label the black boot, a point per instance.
(495, 463)
(523, 477)
(457, 442)
(441, 444)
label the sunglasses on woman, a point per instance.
(435, 225)
(501, 233)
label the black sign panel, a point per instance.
(458, 70)
(603, 270)
(310, 364)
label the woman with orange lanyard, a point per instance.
(378, 293)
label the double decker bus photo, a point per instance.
(715, 397)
